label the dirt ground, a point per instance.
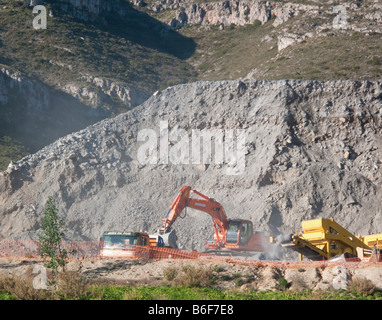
(227, 275)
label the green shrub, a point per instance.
(193, 276)
(190, 276)
(376, 61)
(283, 283)
(256, 23)
(362, 285)
(170, 273)
(53, 232)
(218, 269)
(21, 288)
(239, 282)
(72, 285)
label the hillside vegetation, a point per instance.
(140, 51)
(130, 51)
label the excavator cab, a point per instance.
(239, 231)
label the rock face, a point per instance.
(311, 149)
(103, 93)
(39, 114)
(290, 39)
(223, 13)
(229, 12)
(246, 12)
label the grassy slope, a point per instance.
(91, 49)
(70, 49)
(235, 51)
(10, 149)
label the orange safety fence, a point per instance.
(145, 252)
(158, 253)
(17, 248)
(170, 253)
(90, 250)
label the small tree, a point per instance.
(53, 232)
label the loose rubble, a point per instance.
(312, 149)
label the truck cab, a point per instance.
(126, 244)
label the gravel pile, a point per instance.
(293, 151)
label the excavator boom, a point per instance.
(176, 209)
(206, 204)
(232, 235)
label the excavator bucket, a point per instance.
(169, 238)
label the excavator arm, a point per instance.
(206, 204)
(176, 209)
(231, 236)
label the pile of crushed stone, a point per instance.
(293, 151)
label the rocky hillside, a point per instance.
(79, 69)
(311, 149)
(107, 56)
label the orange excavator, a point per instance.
(230, 235)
